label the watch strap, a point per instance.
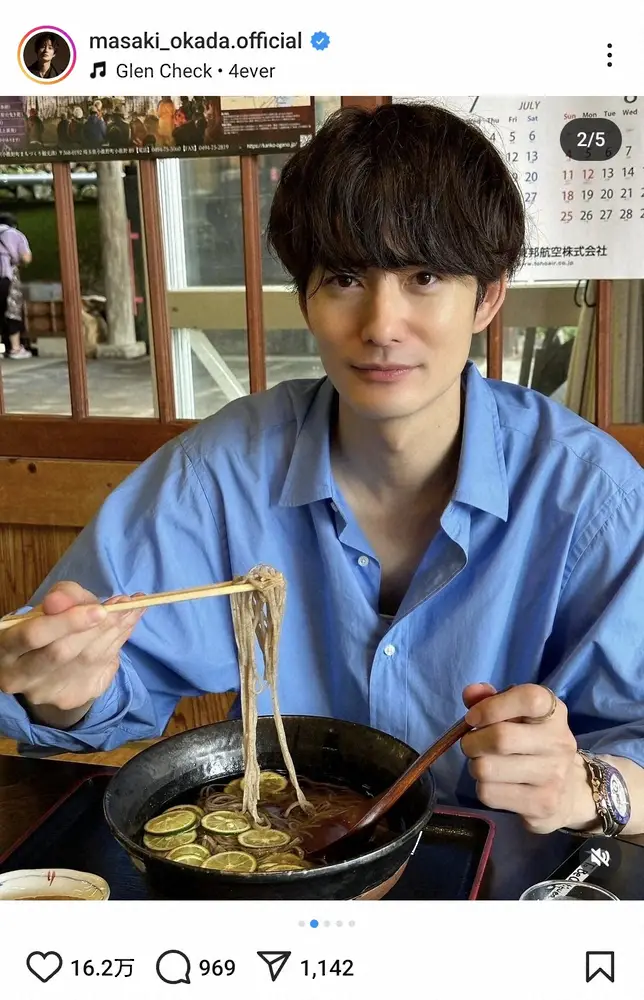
(598, 775)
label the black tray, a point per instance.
(616, 865)
(449, 861)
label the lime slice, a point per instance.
(189, 851)
(162, 844)
(231, 861)
(197, 810)
(233, 787)
(269, 869)
(264, 838)
(291, 860)
(175, 821)
(270, 783)
(225, 821)
(191, 859)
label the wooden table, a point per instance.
(112, 758)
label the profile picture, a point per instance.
(47, 55)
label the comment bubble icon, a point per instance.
(173, 967)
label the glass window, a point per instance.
(203, 232)
(540, 323)
(203, 227)
(113, 289)
(34, 381)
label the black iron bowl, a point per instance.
(353, 755)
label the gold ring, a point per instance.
(551, 711)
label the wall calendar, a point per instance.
(585, 211)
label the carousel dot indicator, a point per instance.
(338, 923)
(314, 923)
(352, 923)
(327, 923)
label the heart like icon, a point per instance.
(44, 965)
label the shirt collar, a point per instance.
(482, 478)
(309, 477)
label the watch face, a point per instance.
(618, 797)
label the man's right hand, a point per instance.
(63, 661)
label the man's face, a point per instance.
(46, 50)
(392, 343)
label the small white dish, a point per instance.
(51, 883)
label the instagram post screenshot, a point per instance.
(321, 501)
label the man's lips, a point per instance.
(382, 373)
(384, 368)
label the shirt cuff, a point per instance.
(123, 713)
(623, 741)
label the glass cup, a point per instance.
(562, 890)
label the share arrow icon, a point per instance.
(275, 960)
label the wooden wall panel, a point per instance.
(104, 439)
(54, 492)
(27, 553)
(631, 437)
(193, 712)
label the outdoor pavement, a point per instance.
(120, 388)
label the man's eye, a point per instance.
(342, 280)
(424, 277)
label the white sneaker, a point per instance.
(20, 354)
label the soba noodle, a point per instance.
(258, 614)
(261, 820)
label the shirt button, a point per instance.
(389, 650)
(363, 561)
(334, 507)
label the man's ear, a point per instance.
(490, 304)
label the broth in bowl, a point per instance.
(199, 764)
(215, 832)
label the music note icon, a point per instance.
(100, 68)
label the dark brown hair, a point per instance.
(46, 36)
(400, 186)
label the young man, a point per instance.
(46, 46)
(443, 537)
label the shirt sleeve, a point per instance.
(594, 659)
(22, 244)
(155, 532)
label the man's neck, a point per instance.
(407, 459)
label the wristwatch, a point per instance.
(612, 801)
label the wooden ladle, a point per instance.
(325, 840)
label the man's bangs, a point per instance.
(366, 230)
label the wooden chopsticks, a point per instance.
(150, 600)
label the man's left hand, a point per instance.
(531, 769)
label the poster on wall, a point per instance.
(585, 217)
(50, 129)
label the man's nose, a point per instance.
(383, 320)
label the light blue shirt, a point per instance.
(536, 575)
